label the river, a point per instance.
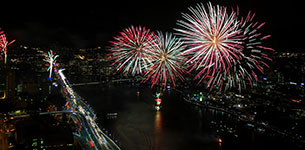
(177, 126)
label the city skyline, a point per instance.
(111, 75)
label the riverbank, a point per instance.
(244, 118)
(178, 125)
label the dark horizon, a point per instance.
(94, 24)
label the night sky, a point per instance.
(91, 24)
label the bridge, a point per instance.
(112, 81)
(86, 133)
(90, 135)
(87, 83)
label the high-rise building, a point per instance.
(10, 83)
(2, 83)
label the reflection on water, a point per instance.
(219, 142)
(177, 126)
(158, 122)
(158, 129)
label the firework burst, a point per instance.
(213, 40)
(251, 59)
(253, 55)
(131, 50)
(223, 49)
(50, 58)
(167, 60)
(3, 45)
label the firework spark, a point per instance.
(253, 55)
(223, 48)
(213, 40)
(167, 60)
(131, 50)
(50, 58)
(3, 45)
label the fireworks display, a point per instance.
(50, 58)
(3, 45)
(213, 40)
(223, 48)
(166, 60)
(253, 53)
(131, 50)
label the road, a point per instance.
(90, 131)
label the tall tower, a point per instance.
(7, 82)
(2, 82)
(10, 82)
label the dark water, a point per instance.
(177, 126)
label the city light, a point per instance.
(77, 105)
(4, 95)
(219, 140)
(296, 101)
(197, 76)
(158, 101)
